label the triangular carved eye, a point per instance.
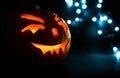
(32, 27)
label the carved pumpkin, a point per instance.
(44, 34)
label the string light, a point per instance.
(101, 20)
(76, 4)
(116, 28)
(94, 19)
(78, 11)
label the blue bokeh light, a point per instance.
(99, 5)
(69, 3)
(78, 11)
(77, 19)
(69, 21)
(83, 1)
(94, 19)
(103, 18)
(116, 28)
(76, 4)
(100, 1)
(84, 6)
(117, 54)
(109, 21)
(99, 32)
(115, 49)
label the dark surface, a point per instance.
(89, 57)
(75, 65)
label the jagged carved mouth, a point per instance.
(54, 48)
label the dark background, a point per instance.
(87, 55)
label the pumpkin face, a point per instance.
(46, 34)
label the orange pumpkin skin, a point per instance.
(43, 36)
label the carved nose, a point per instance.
(55, 32)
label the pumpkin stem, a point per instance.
(37, 7)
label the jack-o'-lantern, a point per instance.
(44, 35)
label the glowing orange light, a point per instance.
(57, 18)
(52, 49)
(48, 48)
(33, 27)
(61, 23)
(54, 31)
(32, 17)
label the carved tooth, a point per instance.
(44, 53)
(52, 51)
(63, 48)
(63, 45)
(57, 51)
(55, 48)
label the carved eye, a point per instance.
(33, 27)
